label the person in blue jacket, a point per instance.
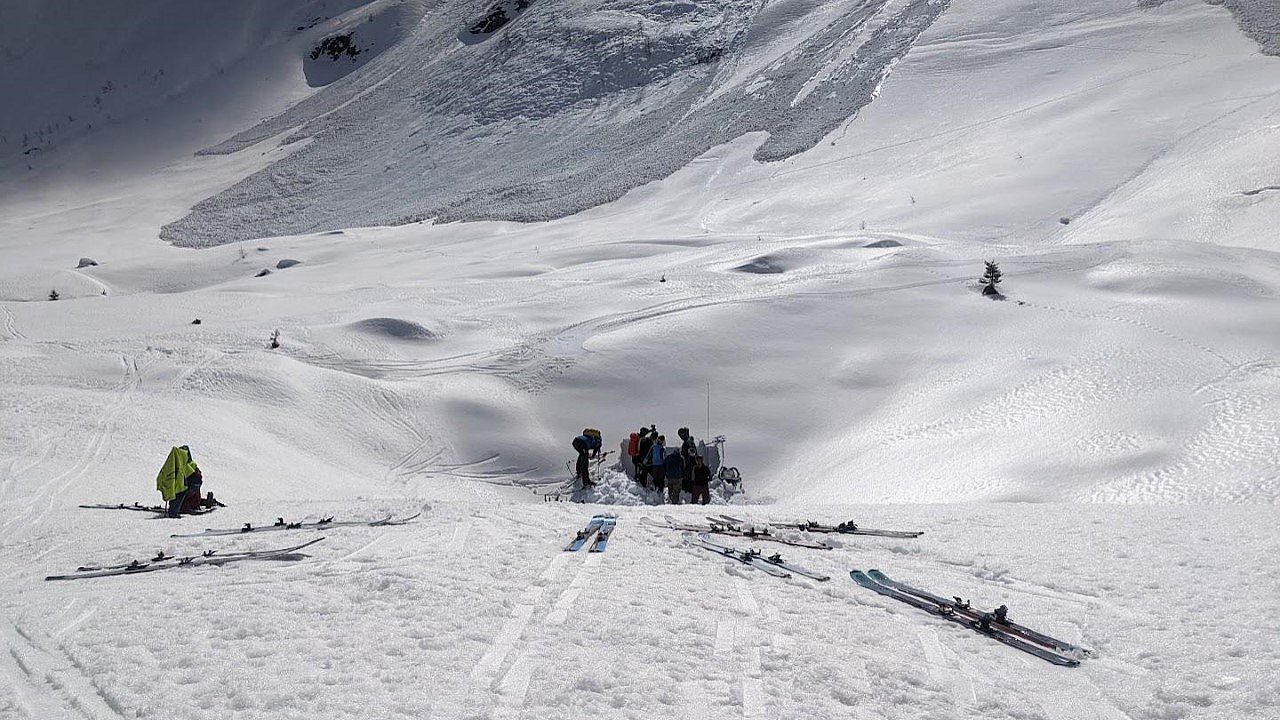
(588, 446)
(657, 471)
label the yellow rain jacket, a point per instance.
(172, 479)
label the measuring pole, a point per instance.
(708, 412)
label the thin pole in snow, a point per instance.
(708, 412)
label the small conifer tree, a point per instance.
(53, 295)
(990, 278)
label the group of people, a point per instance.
(658, 467)
(670, 470)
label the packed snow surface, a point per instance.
(761, 220)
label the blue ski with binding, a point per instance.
(602, 536)
(585, 534)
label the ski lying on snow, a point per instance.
(210, 558)
(593, 526)
(159, 556)
(280, 524)
(844, 528)
(718, 529)
(948, 612)
(160, 509)
(723, 527)
(756, 556)
(746, 558)
(962, 607)
(602, 535)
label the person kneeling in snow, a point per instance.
(179, 482)
(588, 442)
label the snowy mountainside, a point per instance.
(1095, 148)
(78, 66)
(606, 95)
(801, 197)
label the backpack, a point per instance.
(633, 444)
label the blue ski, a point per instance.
(593, 526)
(602, 537)
(963, 608)
(948, 611)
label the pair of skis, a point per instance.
(164, 562)
(992, 624)
(596, 532)
(771, 564)
(724, 526)
(321, 524)
(844, 528)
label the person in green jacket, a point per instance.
(179, 480)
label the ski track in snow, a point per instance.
(35, 508)
(57, 684)
(10, 325)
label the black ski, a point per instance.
(210, 558)
(738, 531)
(321, 524)
(964, 608)
(948, 612)
(844, 528)
(158, 509)
(745, 557)
(774, 559)
(159, 556)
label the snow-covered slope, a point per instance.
(798, 198)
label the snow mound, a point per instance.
(614, 487)
(393, 329)
(1163, 280)
(36, 286)
(766, 265)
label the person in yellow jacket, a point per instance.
(179, 481)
